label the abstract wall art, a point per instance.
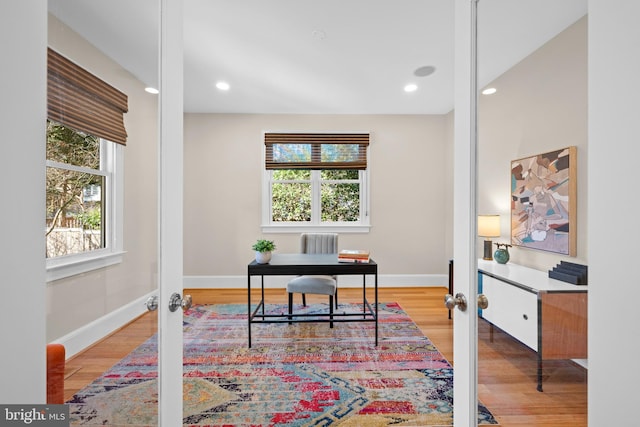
(543, 201)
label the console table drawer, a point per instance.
(512, 309)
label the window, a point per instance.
(85, 143)
(316, 182)
(82, 220)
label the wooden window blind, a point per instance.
(316, 150)
(80, 100)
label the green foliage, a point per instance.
(340, 202)
(264, 246)
(339, 174)
(291, 202)
(291, 196)
(92, 219)
(291, 174)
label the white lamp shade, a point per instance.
(489, 225)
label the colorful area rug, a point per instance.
(304, 374)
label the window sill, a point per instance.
(296, 228)
(74, 265)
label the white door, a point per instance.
(168, 275)
(170, 218)
(465, 358)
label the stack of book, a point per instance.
(353, 255)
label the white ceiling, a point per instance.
(318, 57)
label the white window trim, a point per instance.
(71, 265)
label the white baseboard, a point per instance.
(90, 333)
(387, 281)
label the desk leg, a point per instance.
(364, 296)
(539, 371)
(540, 345)
(376, 292)
(262, 287)
(249, 308)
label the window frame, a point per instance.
(315, 225)
(111, 167)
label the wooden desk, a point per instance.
(310, 264)
(547, 315)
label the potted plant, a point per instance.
(263, 250)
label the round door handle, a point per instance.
(459, 300)
(152, 303)
(177, 301)
(483, 302)
(187, 301)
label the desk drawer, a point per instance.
(512, 309)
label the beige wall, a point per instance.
(223, 184)
(77, 301)
(541, 105)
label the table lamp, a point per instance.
(488, 227)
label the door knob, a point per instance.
(152, 303)
(177, 301)
(483, 302)
(459, 300)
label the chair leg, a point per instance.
(331, 311)
(336, 298)
(290, 306)
(304, 300)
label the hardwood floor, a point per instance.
(507, 369)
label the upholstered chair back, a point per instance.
(319, 243)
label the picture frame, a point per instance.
(543, 201)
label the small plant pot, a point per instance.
(263, 257)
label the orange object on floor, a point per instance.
(55, 373)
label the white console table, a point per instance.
(547, 315)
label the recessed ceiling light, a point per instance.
(223, 85)
(152, 90)
(427, 70)
(411, 87)
(489, 91)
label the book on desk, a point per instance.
(353, 256)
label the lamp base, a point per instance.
(488, 253)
